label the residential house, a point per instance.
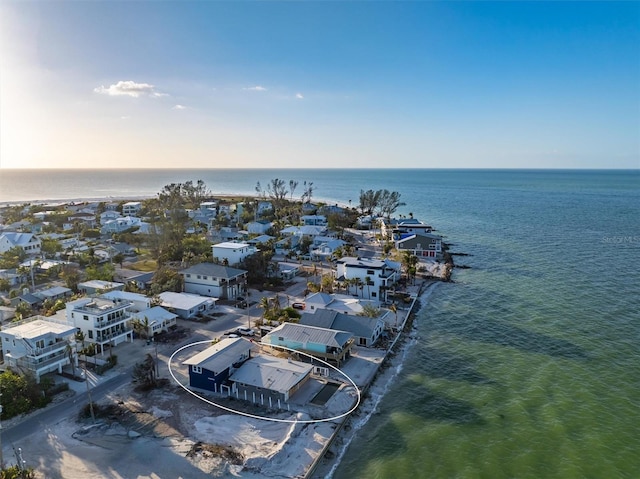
(286, 245)
(209, 279)
(102, 321)
(132, 208)
(109, 215)
(138, 302)
(268, 380)
(264, 208)
(288, 271)
(423, 245)
(13, 276)
(342, 303)
(27, 242)
(210, 369)
(119, 225)
(233, 253)
(326, 249)
(392, 228)
(375, 276)
(314, 220)
(259, 227)
(365, 330)
(33, 301)
(323, 343)
(262, 239)
(53, 294)
(38, 345)
(158, 319)
(140, 279)
(185, 305)
(302, 231)
(95, 286)
(7, 313)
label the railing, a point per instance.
(110, 322)
(54, 347)
(35, 364)
(105, 338)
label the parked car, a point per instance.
(245, 332)
(298, 306)
(241, 302)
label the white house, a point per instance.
(132, 208)
(234, 253)
(102, 321)
(209, 279)
(139, 302)
(159, 319)
(186, 305)
(28, 242)
(374, 275)
(38, 345)
(119, 225)
(314, 220)
(109, 215)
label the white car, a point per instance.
(244, 332)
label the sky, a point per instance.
(327, 84)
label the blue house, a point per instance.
(210, 368)
(323, 343)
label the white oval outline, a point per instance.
(264, 418)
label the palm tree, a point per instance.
(394, 308)
(69, 352)
(367, 280)
(264, 304)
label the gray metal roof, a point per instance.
(301, 333)
(272, 373)
(360, 326)
(221, 355)
(215, 270)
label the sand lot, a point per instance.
(170, 434)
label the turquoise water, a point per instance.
(528, 366)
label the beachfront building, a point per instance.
(209, 369)
(102, 321)
(375, 276)
(314, 220)
(209, 279)
(365, 330)
(268, 380)
(232, 253)
(323, 343)
(423, 245)
(132, 208)
(342, 303)
(38, 345)
(187, 306)
(27, 242)
(96, 286)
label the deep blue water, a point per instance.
(528, 365)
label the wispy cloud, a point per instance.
(130, 88)
(299, 96)
(179, 107)
(256, 88)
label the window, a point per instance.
(198, 277)
(205, 277)
(370, 271)
(373, 294)
(91, 334)
(196, 369)
(85, 317)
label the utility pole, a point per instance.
(86, 378)
(1, 456)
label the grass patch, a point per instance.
(145, 265)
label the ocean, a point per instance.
(528, 364)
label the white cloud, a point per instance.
(179, 107)
(299, 96)
(256, 88)
(129, 88)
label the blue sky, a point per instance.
(320, 84)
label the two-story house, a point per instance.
(233, 253)
(38, 345)
(375, 276)
(102, 321)
(324, 343)
(209, 369)
(132, 208)
(27, 242)
(209, 279)
(423, 245)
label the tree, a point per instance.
(50, 247)
(308, 192)
(409, 263)
(119, 258)
(71, 277)
(23, 310)
(369, 311)
(367, 281)
(166, 279)
(292, 187)
(141, 327)
(144, 373)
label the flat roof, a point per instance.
(39, 327)
(184, 301)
